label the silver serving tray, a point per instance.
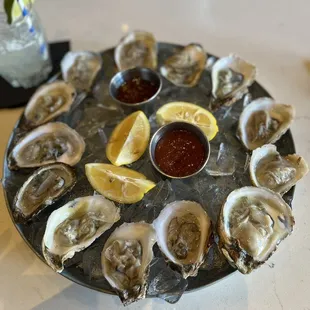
(94, 116)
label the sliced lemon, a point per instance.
(13, 9)
(129, 139)
(118, 183)
(188, 112)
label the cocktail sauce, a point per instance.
(180, 153)
(136, 90)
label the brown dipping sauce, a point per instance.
(136, 90)
(180, 153)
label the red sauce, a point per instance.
(136, 90)
(180, 153)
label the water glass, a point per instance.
(24, 55)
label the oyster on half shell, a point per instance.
(183, 230)
(231, 77)
(271, 170)
(184, 68)
(80, 69)
(42, 188)
(126, 257)
(136, 49)
(252, 223)
(47, 144)
(75, 226)
(49, 101)
(264, 121)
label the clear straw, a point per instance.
(26, 15)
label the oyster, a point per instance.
(75, 226)
(47, 144)
(126, 257)
(42, 188)
(231, 77)
(49, 101)
(252, 223)
(185, 67)
(271, 170)
(264, 121)
(80, 69)
(136, 49)
(183, 230)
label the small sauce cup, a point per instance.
(144, 74)
(160, 133)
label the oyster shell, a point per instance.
(183, 230)
(75, 226)
(47, 144)
(80, 69)
(264, 121)
(126, 257)
(49, 101)
(231, 77)
(136, 49)
(185, 67)
(271, 170)
(252, 223)
(42, 188)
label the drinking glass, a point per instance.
(24, 55)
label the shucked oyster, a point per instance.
(75, 226)
(42, 188)
(126, 257)
(264, 121)
(183, 230)
(271, 170)
(252, 223)
(185, 67)
(136, 49)
(47, 144)
(231, 77)
(80, 69)
(49, 101)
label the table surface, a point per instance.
(274, 35)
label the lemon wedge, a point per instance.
(129, 139)
(118, 183)
(188, 112)
(13, 9)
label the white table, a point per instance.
(272, 34)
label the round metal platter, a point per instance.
(94, 116)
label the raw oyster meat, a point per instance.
(136, 49)
(126, 257)
(75, 226)
(264, 121)
(183, 230)
(185, 67)
(47, 144)
(42, 188)
(271, 170)
(252, 223)
(80, 69)
(49, 101)
(231, 77)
